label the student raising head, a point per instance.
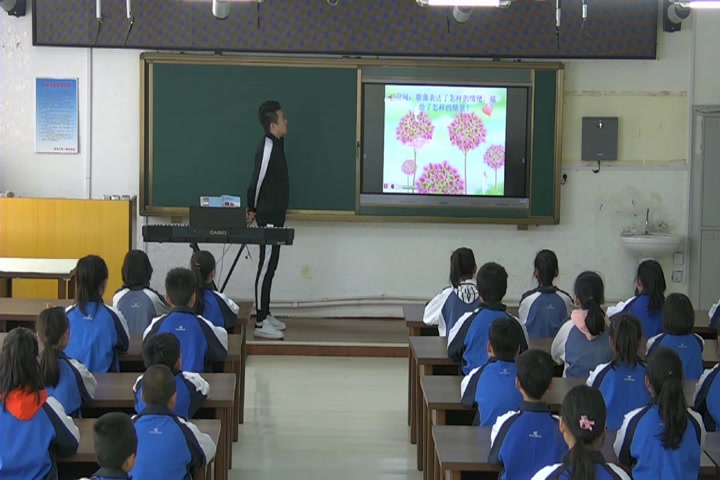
(649, 297)
(582, 424)
(34, 425)
(191, 388)
(582, 342)
(622, 381)
(97, 332)
(213, 305)
(66, 379)
(457, 299)
(524, 441)
(136, 300)
(678, 322)
(201, 342)
(115, 446)
(469, 337)
(490, 389)
(544, 309)
(665, 438)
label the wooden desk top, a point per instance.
(712, 446)
(86, 449)
(466, 449)
(38, 267)
(114, 390)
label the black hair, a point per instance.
(161, 349)
(202, 264)
(505, 335)
(180, 285)
(535, 370)
(158, 386)
(462, 265)
(19, 368)
(267, 113)
(626, 333)
(136, 269)
(91, 272)
(492, 282)
(590, 291)
(652, 278)
(51, 325)
(115, 440)
(583, 413)
(546, 267)
(664, 372)
(678, 314)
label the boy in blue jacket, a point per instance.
(115, 446)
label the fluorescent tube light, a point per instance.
(464, 3)
(699, 4)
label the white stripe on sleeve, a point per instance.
(206, 443)
(231, 305)
(87, 377)
(267, 151)
(619, 307)
(219, 332)
(558, 345)
(201, 385)
(67, 421)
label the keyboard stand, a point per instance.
(196, 248)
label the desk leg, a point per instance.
(438, 471)
(455, 475)
(222, 464)
(238, 401)
(420, 413)
(62, 289)
(410, 374)
(431, 459)
(421, 439)
(6, 287)
(243, 363)
(413, 394)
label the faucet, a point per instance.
(647, 221)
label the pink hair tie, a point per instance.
(586, 424)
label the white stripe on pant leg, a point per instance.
(263, 274)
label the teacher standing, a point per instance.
(267, 200)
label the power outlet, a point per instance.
(679, 258)
(678, 276)
(306, 272)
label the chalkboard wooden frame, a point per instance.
(148, 207)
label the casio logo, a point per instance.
(218, 232)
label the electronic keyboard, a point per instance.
(239, 235)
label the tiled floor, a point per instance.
(319, 418)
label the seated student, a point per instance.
(622, 381)
(191, 388)
(168, 445)
(678, 323)
(138, 303)
(34, 426)
(524, 441)
(65, 378)
(544, 309)
(468, 338)
(582, 424)
(115, 446)
(706, 399)
(201, 342)
(213, 305)
(459, 298)
(649, 297)
(98, 333)
(714, 315)
(582, 342)
(664, 439)
(490, 389)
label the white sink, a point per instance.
(651, 245)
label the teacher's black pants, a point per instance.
(269, 256)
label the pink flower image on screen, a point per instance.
(495, 158)
(440, 178)
(467, 132)
(414, 131)
(409, 167)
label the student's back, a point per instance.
(219, 309)
(706, 400)
(97, 336)
(651, 320)
(139, 305)
(76, 386)
(602, 469)
(647, 304)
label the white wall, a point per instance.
(347, 260)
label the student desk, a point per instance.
(466, 449)
(25, 311)
(114, 392)
(712, 449)
(60, 269)
(86, 449)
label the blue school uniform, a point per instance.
(491, 390)
(139, 305)
(622, 387)
(201, 342)
(76, 386)
(33, 433)
(639, 307)
(449, 305)
(544, 310)
(168, 446)
(191, 388)
(219, 309)
(525, 441)
(638, 445)
(97, 337)
(468, 339)
(602, 469)
(688, 347)
(714, 315)
(579, 354)
(706, 400)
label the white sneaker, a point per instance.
(276, 323)
(268, 331)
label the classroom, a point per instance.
(387, 239)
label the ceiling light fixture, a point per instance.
(699, 4)
(464, 3)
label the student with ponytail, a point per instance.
(582, 342)
(649, 298)
(459, 298)
(582, 424)
(622, 381)
(209, 303)
(664, 439)
(544, 309)
(98, 332)
(66, 379)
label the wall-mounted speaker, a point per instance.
(16, 8)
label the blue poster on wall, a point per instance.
(56, 115)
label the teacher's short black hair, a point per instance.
(267, 113)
